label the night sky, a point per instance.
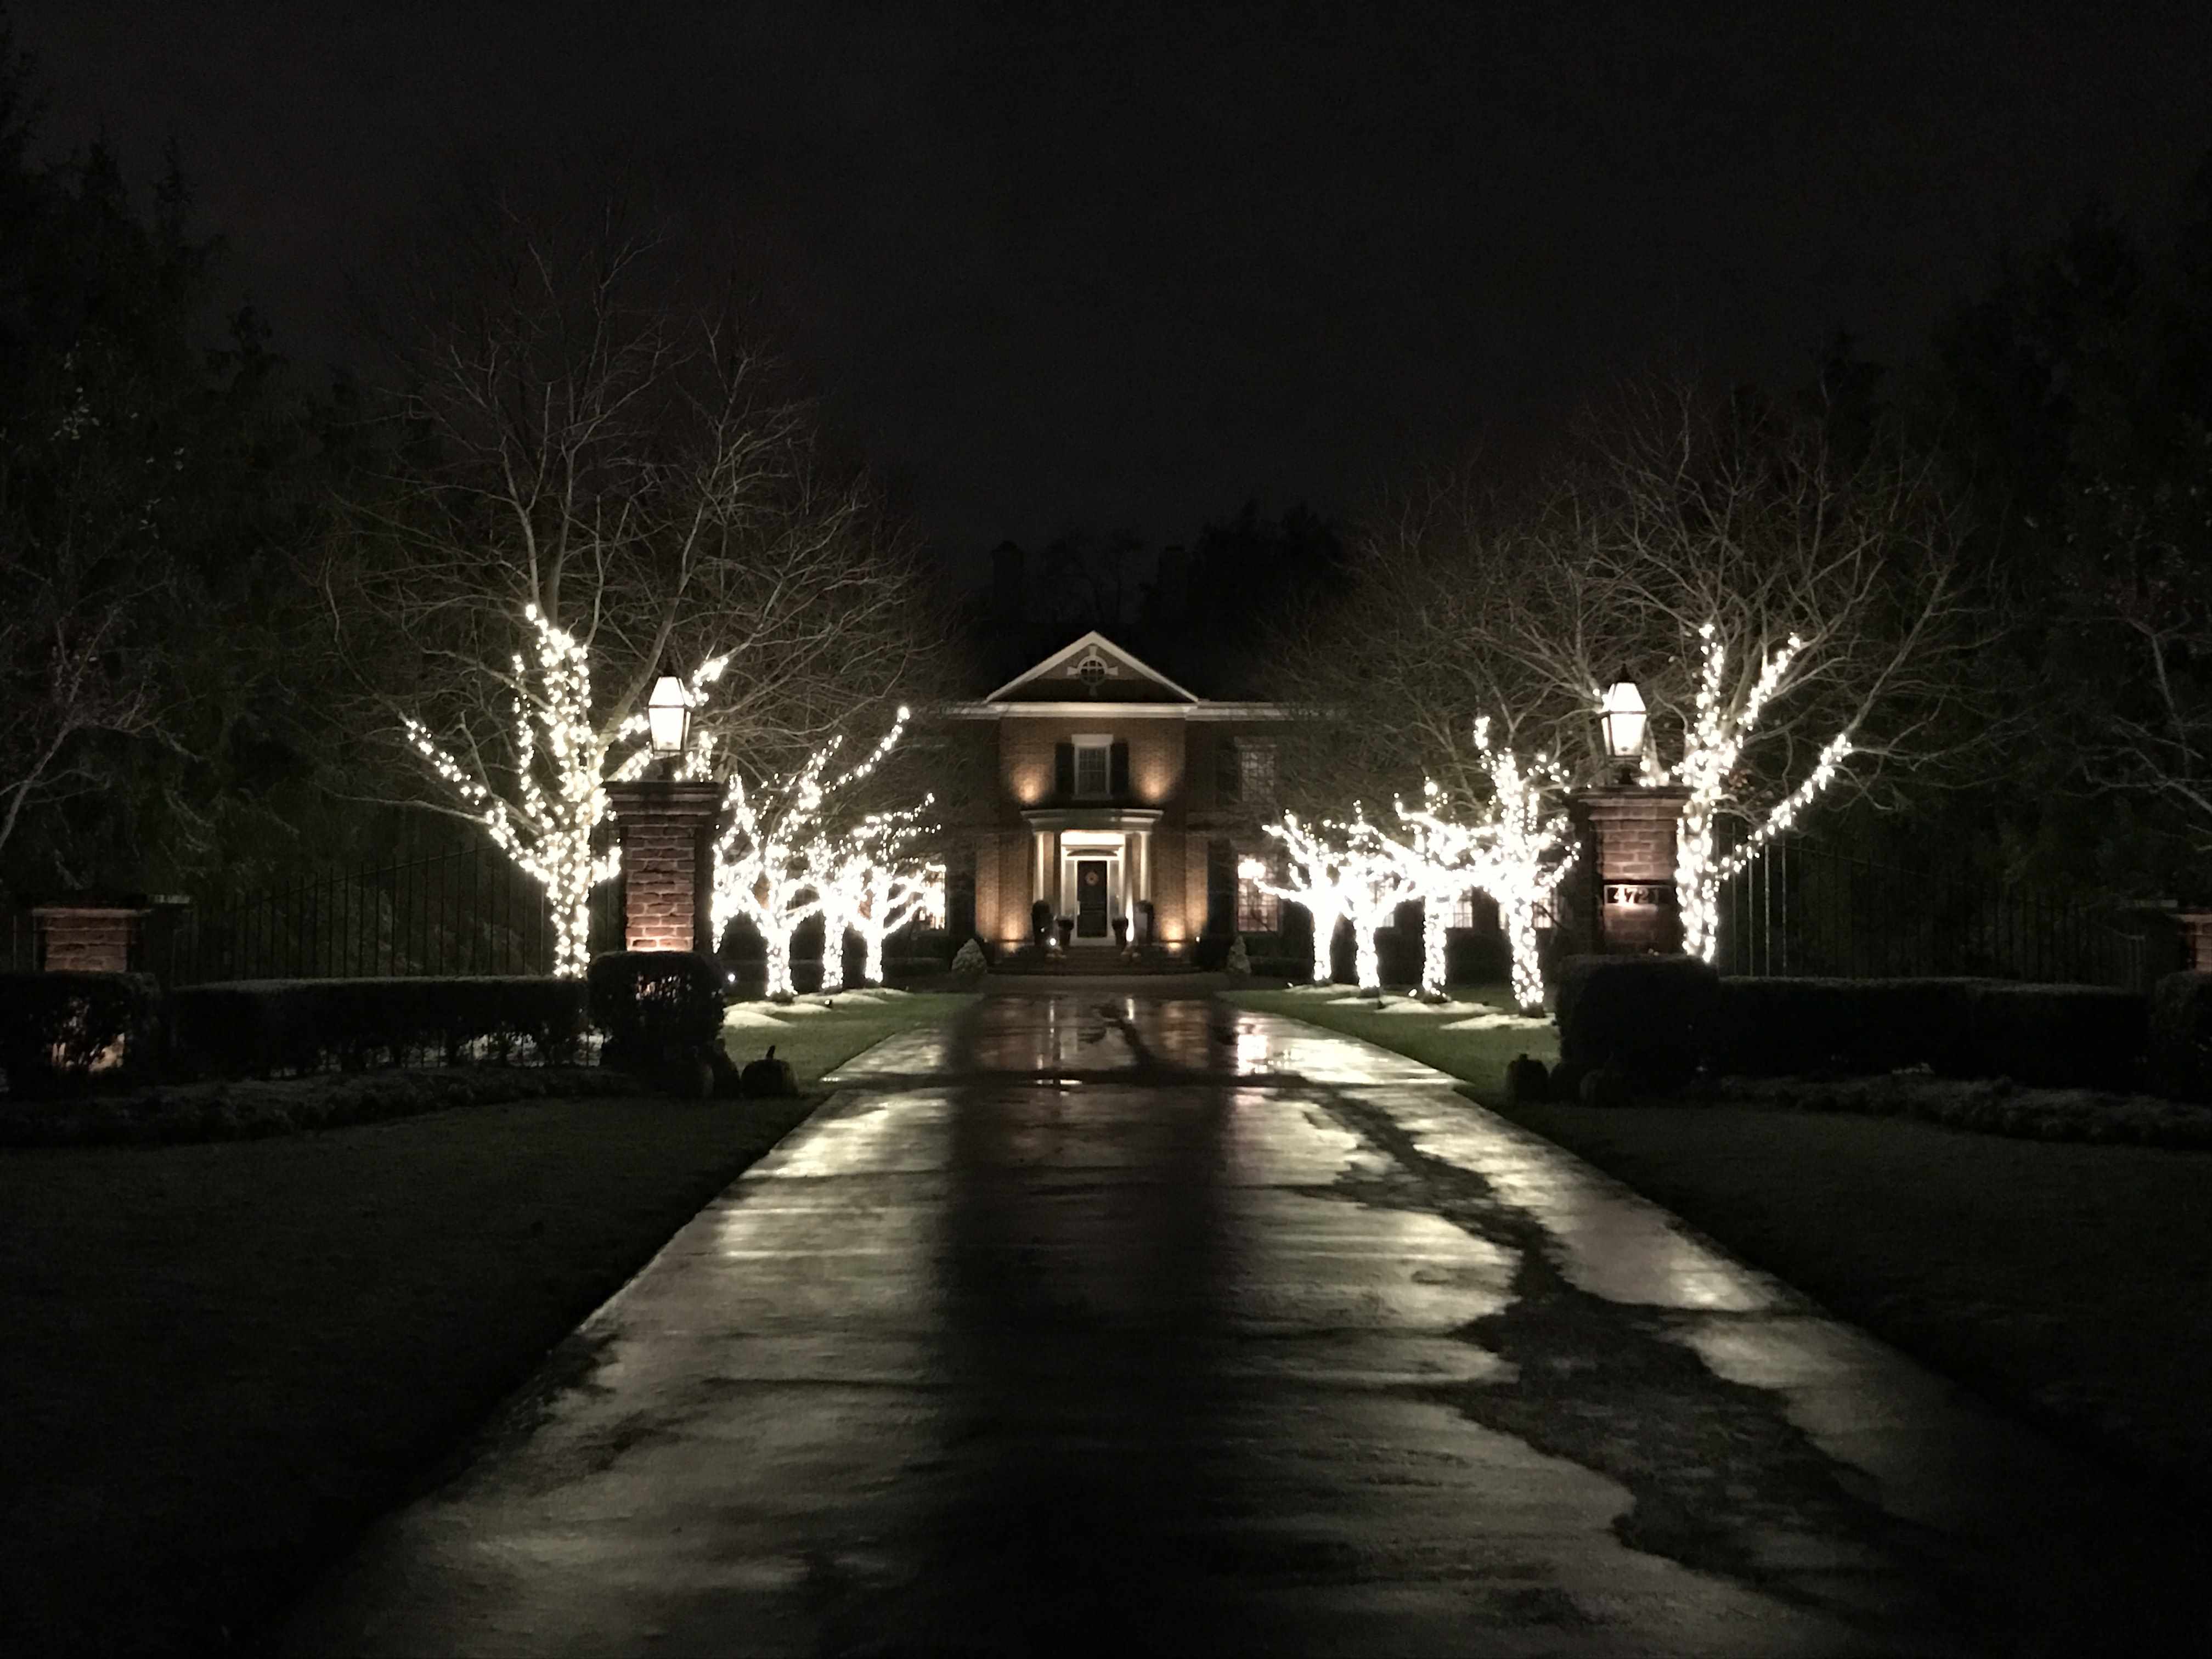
(1125, 269)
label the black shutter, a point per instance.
(1063, 770)
(1228, 774)
(1117, 772)
(1220, 887)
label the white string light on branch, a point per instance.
(1312, 878)
(561, 766)
(1516, 847)
(769, 855)
(1373, 882)
(1712, 749)
(871, 881)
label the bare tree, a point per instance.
(75, 662)
(777, 850)
(1787, 613)
(2145, 551)
(87, 581)
(579, 457)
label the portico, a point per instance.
(1094, 864)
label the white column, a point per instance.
(1041, 873)
(1143, 844)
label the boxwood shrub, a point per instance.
(2050, 1036)
(2090, 1036)
(62, 1032)
(260, 1028)
(653, 1004)
(1654, 1017)
(1786, 1027)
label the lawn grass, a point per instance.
(815, 1042)
(2064, 1282)
(221, 1360)
(1476, 1057)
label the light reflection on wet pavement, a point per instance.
(1097, 1322)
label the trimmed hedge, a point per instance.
(232, 1109)
(259, 1028)
(61, 1031)
(2057, 1037)
(1654, 1017)
(2047, 1036)
(650, 1001)
(2180, 1036)
(1785, 1027)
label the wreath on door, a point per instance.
(1090, 878)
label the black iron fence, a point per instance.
(468, 910)
(1803, 909)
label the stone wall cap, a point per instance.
(129, 904)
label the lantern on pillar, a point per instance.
(1622, 710)
(668, 716)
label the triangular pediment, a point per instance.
(1093, 669)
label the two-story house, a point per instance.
(1112, 787)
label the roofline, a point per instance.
(1094, 637)
(1141, 711)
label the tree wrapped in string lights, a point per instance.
(1338, 870)
(1375, 883)
(544, 811)
(1712, 750)
(1312, 878)
(769, 856)
(874, 882)
(1515, 846)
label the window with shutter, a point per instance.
(1093, 767)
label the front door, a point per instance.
(1090, 898)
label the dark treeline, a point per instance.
(2062, 419)
(1201, 612)
(174, 497)
(2070, 405)
(160, 476)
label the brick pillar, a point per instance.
(664, 827)
(1633, 830)
(2195, 940)
(91, 938)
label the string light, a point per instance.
(548, 831)
(770, 856)
(1711, 749)
(1516, 849)
(870, 881)
(1312, 878)
(1338, 870)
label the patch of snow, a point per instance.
(749, 1014)
(1494, 1021)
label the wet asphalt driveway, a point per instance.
(1122, 1323)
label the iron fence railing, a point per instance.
(1802, 909)
(464, 911)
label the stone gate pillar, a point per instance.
(1631, 832)
(665, 827)
(89, 936)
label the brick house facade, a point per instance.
(1114, 790)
